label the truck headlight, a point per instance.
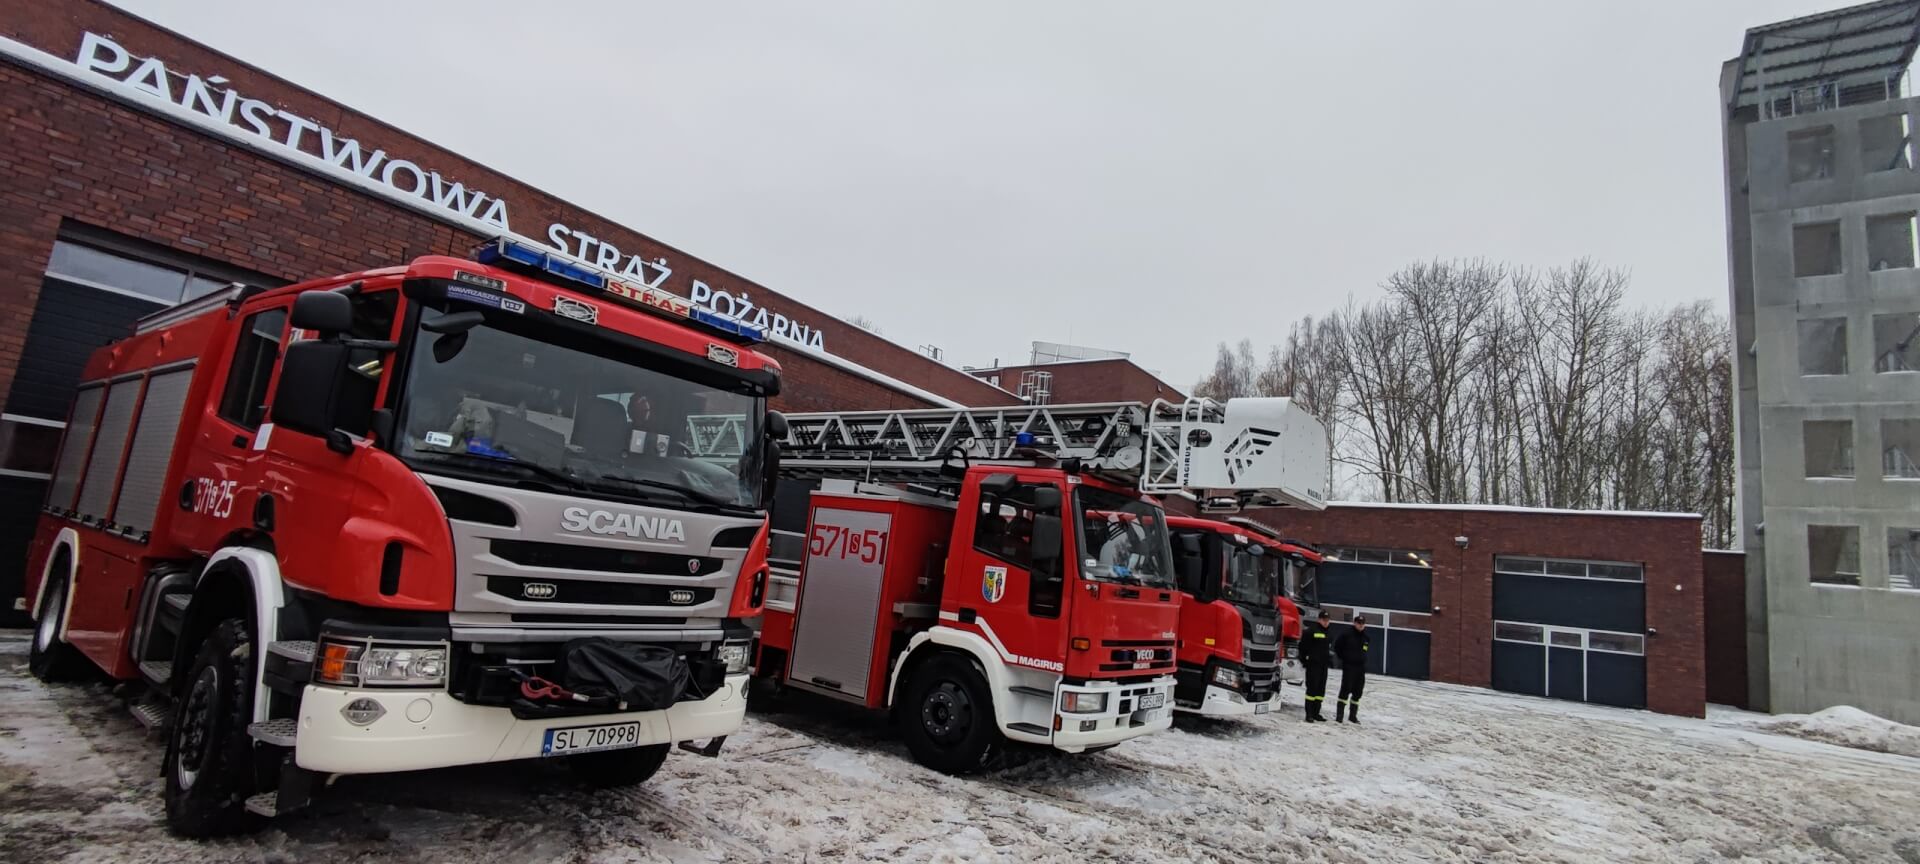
(1072, 702)
(735, 655)
(1226, 676)
(353, 664)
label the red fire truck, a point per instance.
(1004, 574)
(392, 520)
(1237, 616)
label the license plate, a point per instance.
(1152, 700)
(1262, 708)
(586, 739)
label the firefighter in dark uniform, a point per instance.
(1316, 653)
(1352, 648)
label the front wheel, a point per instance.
(613, 768)
(948, 717)
(209, 765)
(50, 658)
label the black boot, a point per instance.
(1340, 712)
(1353, 714)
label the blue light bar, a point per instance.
(502, 252)
(724, 324)
(510, 254)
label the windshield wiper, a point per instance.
(554, 474)
(691, 493)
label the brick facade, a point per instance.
(1668, 547)
(1725, 575)
(69, 153)
(1114, 380)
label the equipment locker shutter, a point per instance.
(97, 485)
(140, 487)
(73, 448)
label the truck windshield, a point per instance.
(1253, 580)
(1123, 539)
(579, 417)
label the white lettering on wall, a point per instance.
(212, 97)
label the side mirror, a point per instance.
(325, 312)
(777, 426)
(1257, 550)
(1046, 538)
(319, 394)
(1046, 499)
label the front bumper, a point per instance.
(423, 729)
(1221, 702)
(1122, 719)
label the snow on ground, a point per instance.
(1847, 726)
(1438, 773)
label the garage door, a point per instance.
(1570, 629)
(1394, 589)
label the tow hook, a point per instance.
(709, 749)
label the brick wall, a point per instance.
(1725, 575)
(1668, 547)
(66, 152)
(1113, 380)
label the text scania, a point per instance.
(630, 524)
(209, 96)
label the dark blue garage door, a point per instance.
(1570, 630)
(1394, 589)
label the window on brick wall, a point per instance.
(1828, 446)
(1833, 554)
(1823, 346)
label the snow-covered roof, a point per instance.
(1508, 508)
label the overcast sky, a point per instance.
(1147, 177)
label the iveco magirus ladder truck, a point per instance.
(1003, 575)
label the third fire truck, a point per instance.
(1004, 575)
(1239, 625)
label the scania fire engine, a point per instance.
(404, 518)
(1236, 616)
(1003, 575)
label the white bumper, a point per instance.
(1221, 702)
(430, 729)
(1079, 732)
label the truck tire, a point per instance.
(49, 656)
(209, 766)
(613, 768)
(948, 717)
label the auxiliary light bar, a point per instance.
(509, 254)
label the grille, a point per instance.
(538, 590)
(1137, 655)
(561, 556)
(1262, 656)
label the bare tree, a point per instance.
(864, 323)
(1234, 373)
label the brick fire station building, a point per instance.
(139, 168)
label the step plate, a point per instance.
(279, 733)
(265, 804)
(156, 671)
(152, 715)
